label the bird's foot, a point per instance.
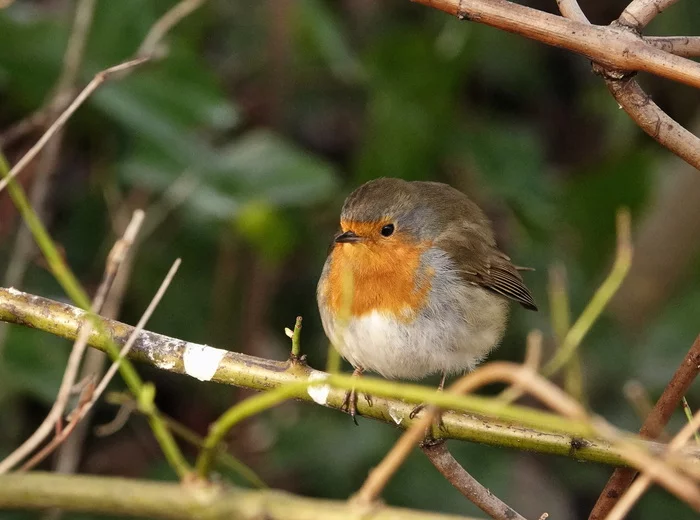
(350, 402)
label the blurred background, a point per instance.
(241, 145)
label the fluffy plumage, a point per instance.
(431, 297)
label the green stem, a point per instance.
(689, 415)
(122, 497)
(514, 426)
(623, 260)
(74, 290)
(296, 339)
(247, 408)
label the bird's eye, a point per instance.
(387, 230)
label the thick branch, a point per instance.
(116, 496)
(612, 47)
(519, 427)
(686, 46)
(654, 121)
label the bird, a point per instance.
(414, 283)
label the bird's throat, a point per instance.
(389, 280)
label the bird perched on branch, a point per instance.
(414, 283)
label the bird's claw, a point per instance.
(350, 405)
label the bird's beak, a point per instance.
(347, 238)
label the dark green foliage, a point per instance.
(275, 112)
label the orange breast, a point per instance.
(373, 276)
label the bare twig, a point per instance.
(98, 80)
(604, 46)
(612, 47)
(640, 12)
(145, 53)
(296, 340)
(62, 434)
(68, 456)
(61, 95)
(653, 426)
(638, 397)
(536, 385)
(533, 357)
(166, 22)
(479, 495)
(642, 483)
(137, 330)
(654, 121)
(74, 359)
(93, 396)
(63, 91)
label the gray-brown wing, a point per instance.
(480, 262)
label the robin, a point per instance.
(414, 283)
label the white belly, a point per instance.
(458, 327)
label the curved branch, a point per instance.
(612, 47)
(471, 488)
(143, 498)
(654, 121)
(640, 12)
(518, 427)
(609, 48)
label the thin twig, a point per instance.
(84, 409)
(536, 385)
(689, 415)
(145, 53)
(638, 398)
(63, 434)
(63, 91)
(166, 22)
(60, 96)
(98, 80)
(654, 424)
(68, 456)
(641, 484)
(456, 475)
(137, 330)
(560, 317)
(74, 359)
(533, 357)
